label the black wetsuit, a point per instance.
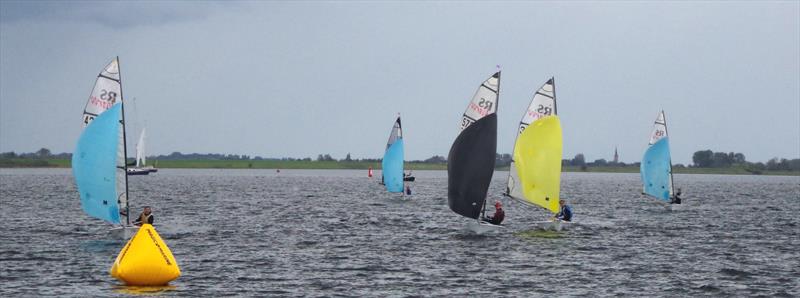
(676, 199)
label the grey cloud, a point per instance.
(113, 14)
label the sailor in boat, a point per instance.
(498, 216)
(566, 211)
(676, 198)
(145, 217)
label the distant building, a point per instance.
(616, 155)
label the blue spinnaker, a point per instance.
(393, 167)
(94, 165)
(655, 169)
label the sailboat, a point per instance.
(392, 164)
(141, 168)
(99, 160)
(656, 166)
(534, 177)
(470, 163)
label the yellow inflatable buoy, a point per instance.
(145, 260)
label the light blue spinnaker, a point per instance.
(656, 170)
(656, 166)
(94, 165)
(392, 164)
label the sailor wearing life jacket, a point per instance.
(145, 217)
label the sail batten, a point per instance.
(471, 160)
(656, 165)
(392, 164)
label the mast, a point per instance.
(496, 108)
(671, 180)
(555, 104)
(403, 165)
(124, 146)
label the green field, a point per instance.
(363, 165)
(33, 163)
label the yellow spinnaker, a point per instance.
(537, 157)
(145, 260)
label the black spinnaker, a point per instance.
(470, 163)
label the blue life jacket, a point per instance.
(566, 213)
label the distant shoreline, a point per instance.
(363, 165)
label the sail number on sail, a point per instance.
(483, 108)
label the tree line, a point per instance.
(700, 159)
(711, 159)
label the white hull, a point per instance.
(141, 170)
(482, 227)
(123, 232)
(674, 207)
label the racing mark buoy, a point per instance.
(145, 260)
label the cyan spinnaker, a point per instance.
(97, 156)
(392, 164)
(656, 169)
(470, 163)
(94, 166)
(656, 166)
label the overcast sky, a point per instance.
(298, 79)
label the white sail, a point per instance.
(140, 154)
(659, 129)
(542, 104)
(484, 102)
(107, 90)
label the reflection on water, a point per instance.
(143, 291)
(539, 233)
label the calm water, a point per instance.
(325, 233)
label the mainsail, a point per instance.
(393, 159)
(107, 90)
(99, 164)
(95, 165)
(140, 154)
(534, 176)
(470, 163)
(656, 166)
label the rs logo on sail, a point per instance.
(106, 100)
